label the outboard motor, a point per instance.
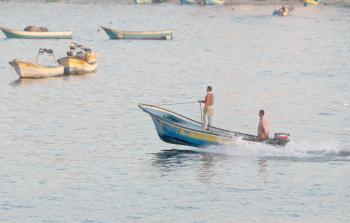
(282, 137)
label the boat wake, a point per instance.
(295, 151)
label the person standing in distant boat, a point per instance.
(208, 108)
(263, 128)
(284, 10)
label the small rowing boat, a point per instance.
(188, 2)
(12, 33)
(148, 1)
(214, 2)
(82, 62)
(310, 2)
(280, 12)
(151, 35)
(178, 129)
(30, 70)
(34, 70)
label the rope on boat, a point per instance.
(189, 102)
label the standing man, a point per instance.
(284, 10)
(208, 108)
(263, 128)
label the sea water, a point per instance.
(78, 149)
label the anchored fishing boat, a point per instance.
(281, 12)
(178, 129)
(12, 33)
(311, 2)
(214, 2)
(34, 70)
(188, 2)
(81, 62)
(148, 1)
(151, 35)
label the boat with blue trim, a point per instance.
(146, 35)
(214, 2)
(138, 2)
(178, 129)
(12, 33)
(188, 2)
(311, 2)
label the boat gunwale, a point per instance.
(17, 62)
(209, 133)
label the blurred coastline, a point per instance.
(342, 3)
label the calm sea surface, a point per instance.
(78, 149)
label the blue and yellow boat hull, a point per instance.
(177, 129)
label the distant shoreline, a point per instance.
(342, 3)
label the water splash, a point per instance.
(297, 151)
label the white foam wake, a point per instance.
(318, 151)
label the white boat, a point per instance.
(13, 33)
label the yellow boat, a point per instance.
(74, 65)
(310, 2)
(80, 63)
(30, 70)
(34, 70)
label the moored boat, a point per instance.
(12, 33)
(188, 2)
(34, 70)
(151, 35)
(214, 2)
(178, 129)
(148, 1)
(30, 70)
(310, 2)
(82, 62)
(281, 12)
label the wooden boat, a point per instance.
(82, 62)
(30, 70)
(12, 33)
(213, 2)
(178, 129)
(188, 2)
(310, 2)
(279, 12)
(75, 65)
(148, 1)
(34, 70)
(153, 35)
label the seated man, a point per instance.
(263, 128)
